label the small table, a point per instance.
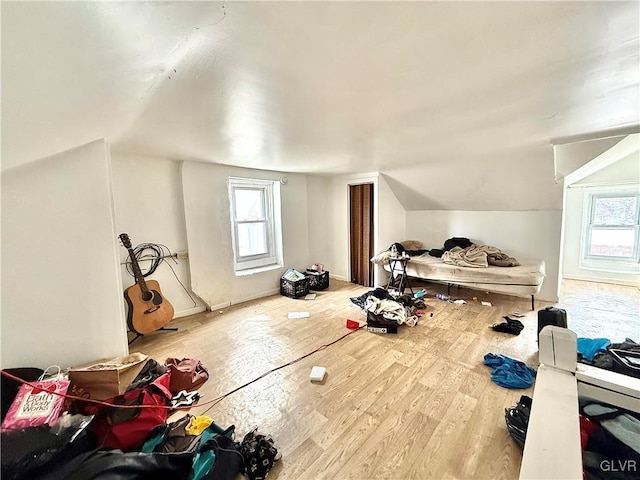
(398, 267)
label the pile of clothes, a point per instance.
(404, 309)
(478, 256)
(601, 353)
(464, 253)
(127, 436)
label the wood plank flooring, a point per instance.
(416, 405)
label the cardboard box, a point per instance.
(107, 378)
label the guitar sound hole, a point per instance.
(157, 298)
(146, 296)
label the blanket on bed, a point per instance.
(478, 256)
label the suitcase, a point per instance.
(626, 362)
(379, 324)
(551, 316)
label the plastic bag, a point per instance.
(36, 403)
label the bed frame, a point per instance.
(522, 281)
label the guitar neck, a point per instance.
(137, 273)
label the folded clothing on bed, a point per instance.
(478, 256)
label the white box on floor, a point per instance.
(317, 374)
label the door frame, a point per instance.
(360, 180)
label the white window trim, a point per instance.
(244, 265)
(602, 262)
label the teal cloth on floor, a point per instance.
(588, 347)
(509, 372)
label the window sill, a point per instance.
(251, 271)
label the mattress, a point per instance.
(524, 280)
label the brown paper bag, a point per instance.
(108, 377)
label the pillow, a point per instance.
(412, 244)
(381, 258)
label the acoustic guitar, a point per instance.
(148, 309)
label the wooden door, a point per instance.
(361, 233)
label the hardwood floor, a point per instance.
(416, 405)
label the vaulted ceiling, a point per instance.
(457, 103)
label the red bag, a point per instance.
(127, 428)
(186, 374)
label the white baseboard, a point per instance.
(613, 281)
(338, 277)
(267, 293)
(219, 306)
(190, 311)
(236, 301)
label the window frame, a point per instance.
(270, 194)
(593, 195)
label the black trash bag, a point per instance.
(29, 452)
(517, 418)
(115, 464)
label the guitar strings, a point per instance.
(156, 253)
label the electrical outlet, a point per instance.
(182, 255)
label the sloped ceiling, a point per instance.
(570, 157)
(457, 103)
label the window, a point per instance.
(612, 228)
(255, 223)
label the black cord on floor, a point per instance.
(213, 402)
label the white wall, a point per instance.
(533, 234)
(61, 291)
(320, 228)
(338, 218)
(389, 221)
(208, 228)
(149, 208)
(392, 223)
(625, 170)
(517, 181)
(571, 156)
